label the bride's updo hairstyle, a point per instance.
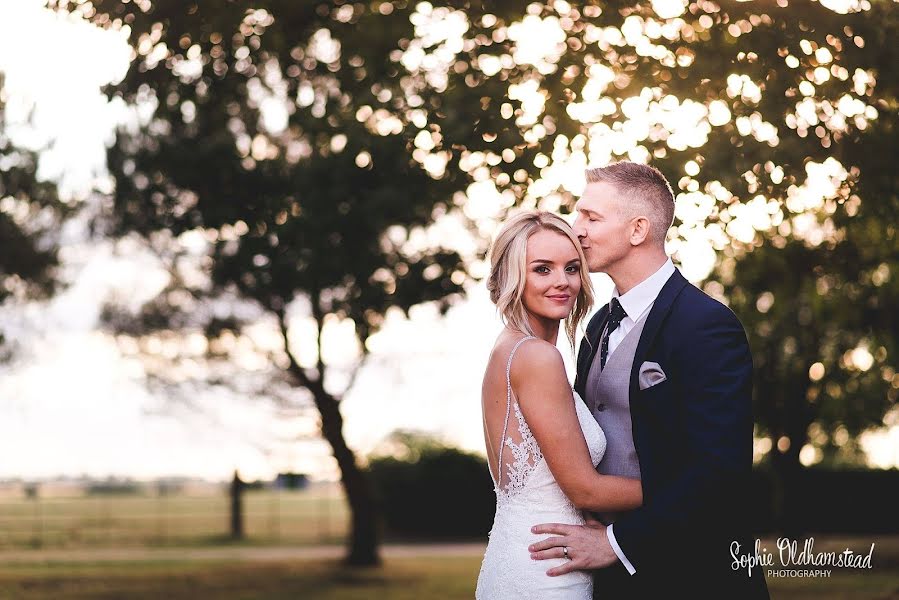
(508, 270)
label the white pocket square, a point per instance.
(650, 374)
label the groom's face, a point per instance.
(602, 226)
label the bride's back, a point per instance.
(493, 398)
(502, 417)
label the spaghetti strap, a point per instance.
(502, 440)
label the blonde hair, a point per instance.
(508, 270)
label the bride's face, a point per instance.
(553, 278)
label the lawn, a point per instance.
(401, 579)
(146, 546)
(404, 576)
(310, 517)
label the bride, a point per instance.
(542, 442)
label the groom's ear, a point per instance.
(639, 231)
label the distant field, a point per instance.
(317, 515)
(176, 547)
(403, 579)
(404, 576)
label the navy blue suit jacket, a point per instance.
(693, 438)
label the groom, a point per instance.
(667, 373)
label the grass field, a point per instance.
(401, 579)
(314, 516)
(175, 547)
(404, 576)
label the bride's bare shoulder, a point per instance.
(531, 347)
(530, 351)
(537, 365)
(536, 358)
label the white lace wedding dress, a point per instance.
(527, 494)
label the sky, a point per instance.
(73, 404)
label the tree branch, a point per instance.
(313, 385)
(319, 317)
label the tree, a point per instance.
(777, 124)
(30, 214)
(284, 140)
(818, 307)
(306, 141)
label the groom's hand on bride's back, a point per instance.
(588, 546)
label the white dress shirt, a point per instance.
(636, 302)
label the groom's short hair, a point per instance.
(643, 186)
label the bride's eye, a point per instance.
(542, 269)
(573, 269)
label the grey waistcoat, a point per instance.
(608, 397)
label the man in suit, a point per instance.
(667, 372)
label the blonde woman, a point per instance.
(542, 442)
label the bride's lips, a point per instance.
(560, 297)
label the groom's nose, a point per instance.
(578, 227)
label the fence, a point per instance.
(315, 515)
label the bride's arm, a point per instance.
(544, 395)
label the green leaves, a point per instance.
(30, 212)
(295, 135)
(311, 197)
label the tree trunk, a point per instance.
(236, 507)
(364, 537)
(787, 467)
(787, 473)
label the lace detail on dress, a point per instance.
(526, 454)
(523, 453)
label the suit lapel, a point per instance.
(660, 309)
(587, 352)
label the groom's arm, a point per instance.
(714, 379)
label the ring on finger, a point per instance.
(565, 552)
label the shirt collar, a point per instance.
(639, 298)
